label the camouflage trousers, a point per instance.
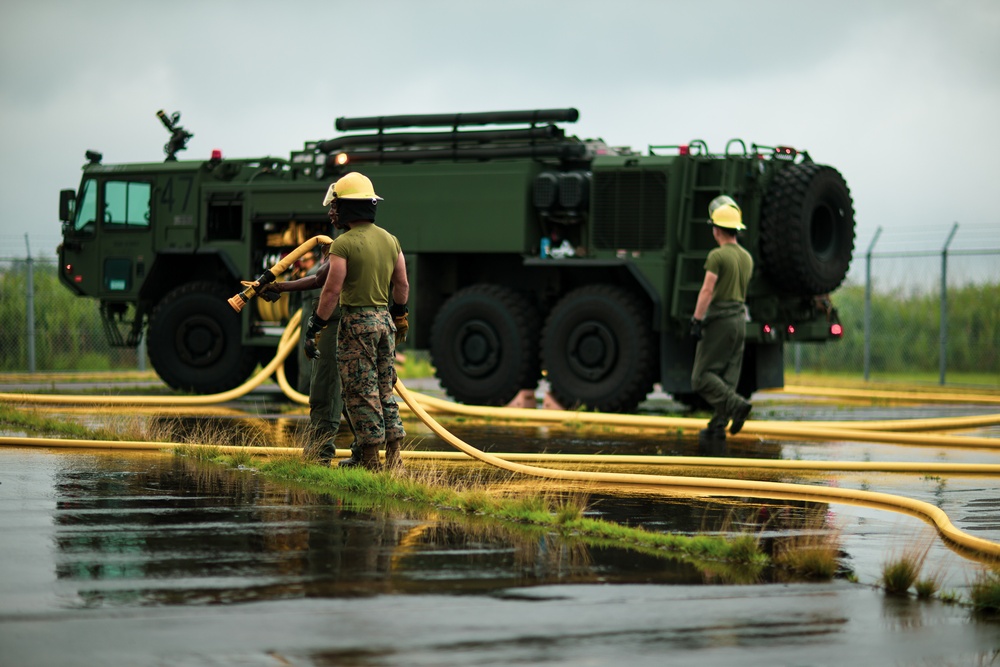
(367, 357)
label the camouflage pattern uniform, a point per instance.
(366, 354)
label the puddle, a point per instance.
(187, 564)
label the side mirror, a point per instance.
(67, 205)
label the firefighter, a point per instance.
(325, 400)
(367, 269)
(719, 322)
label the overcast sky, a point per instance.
(902, 97)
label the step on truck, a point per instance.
(530, 252)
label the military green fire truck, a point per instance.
(530, 252)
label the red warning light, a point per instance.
(216, 153)
(836, 330)
(69, 268)
(684, 149)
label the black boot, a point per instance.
(712, 435)
(363, 457)
(715, 431)
(740, 417)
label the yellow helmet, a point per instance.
(351, 186)
(724, 212)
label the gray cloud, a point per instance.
(900, 96)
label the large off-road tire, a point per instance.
(194, 340)
(484, 345)
(598, 350)
(807, 229)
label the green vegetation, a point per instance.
(415, 365)
(905, 340)
(736, 558)
(69, 334)
(900, 573)
(35, 424)
(985, 592)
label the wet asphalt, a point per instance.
(123, 558)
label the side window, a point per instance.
(86, 207)
(126, 203)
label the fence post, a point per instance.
(30, 314)
(868, 303)
(944, 304)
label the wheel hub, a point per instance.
(199, 340)
(592, 350)
(478, 348)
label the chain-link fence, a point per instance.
(47, 328)
(898, 323)
(917, 317)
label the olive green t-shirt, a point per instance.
(371, 254)
(733, 265)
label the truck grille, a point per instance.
(630, 210)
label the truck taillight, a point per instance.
(836, 330)
(767, 328)
(791, 329)
(78, 279)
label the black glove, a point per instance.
(316, 324)
(269, 292)
(696, 328)
(398, 312)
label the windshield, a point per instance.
(86, 207)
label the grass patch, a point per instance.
(415, 365)
(902, 572)
(813, 555)
(985, 592)
(738, 558)
(121, 426)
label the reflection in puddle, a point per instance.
(168, 530)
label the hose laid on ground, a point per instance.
(886, 431)
(701, 486)
(933, 515)
(751, 428)
(884, 395)
(287, 343)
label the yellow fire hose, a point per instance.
(887, 431)
(974, 546)
(883, 395)
(241, 299)
(933, 515)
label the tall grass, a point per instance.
(901, 572)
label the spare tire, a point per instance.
(807, 229)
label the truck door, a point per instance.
(108, 244)
(125, 237)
